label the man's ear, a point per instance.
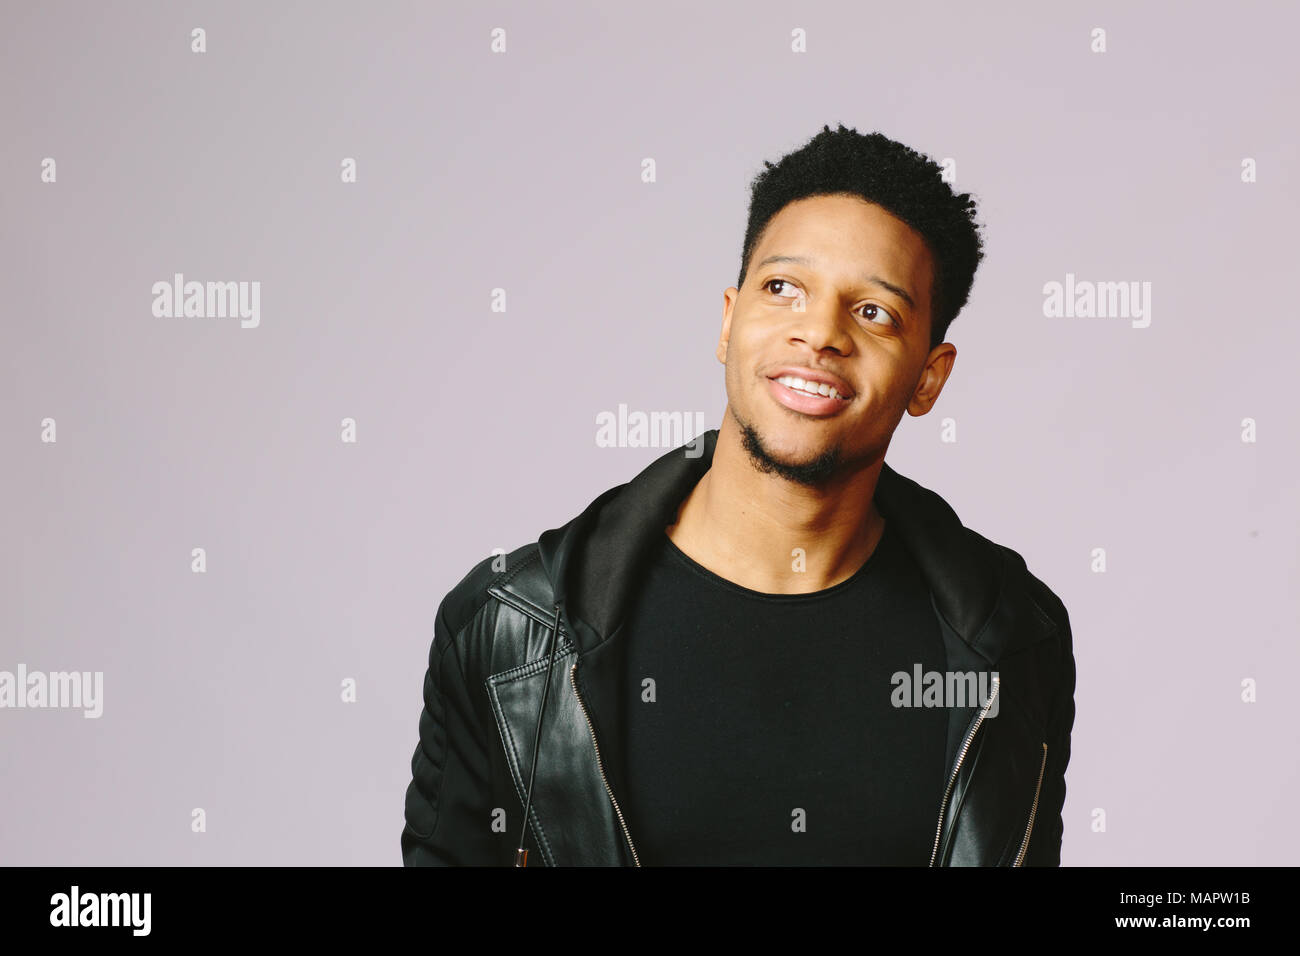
(938, 366)
(728, 305)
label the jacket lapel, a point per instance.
(571, 815)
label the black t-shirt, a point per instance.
(771, 739)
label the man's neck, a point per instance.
(768, 534)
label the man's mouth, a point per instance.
(797, 384)
(806, 398)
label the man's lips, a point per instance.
(819, 406)
(814, 375)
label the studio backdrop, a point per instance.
(448, 255)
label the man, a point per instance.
(754, 651)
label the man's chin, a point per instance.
(804, 466)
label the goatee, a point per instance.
(812, 473)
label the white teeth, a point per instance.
(810, 388)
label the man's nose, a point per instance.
(822, 325)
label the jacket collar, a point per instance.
(596, 560)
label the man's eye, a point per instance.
(878, 311)
(768, 284)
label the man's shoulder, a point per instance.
(1014, 570)
(513, 577)
(1016, 574)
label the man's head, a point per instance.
(857, 258)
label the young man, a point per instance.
(764, 648)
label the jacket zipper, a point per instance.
(970, 735)
(1024, 844)
(573, 671)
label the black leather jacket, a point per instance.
(491, 665)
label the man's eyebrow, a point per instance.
(801, 260)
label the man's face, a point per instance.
(855, 308)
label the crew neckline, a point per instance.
(712, 577)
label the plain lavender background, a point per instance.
(476, 429)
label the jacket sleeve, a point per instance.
(448, 801)
(1049, 825)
